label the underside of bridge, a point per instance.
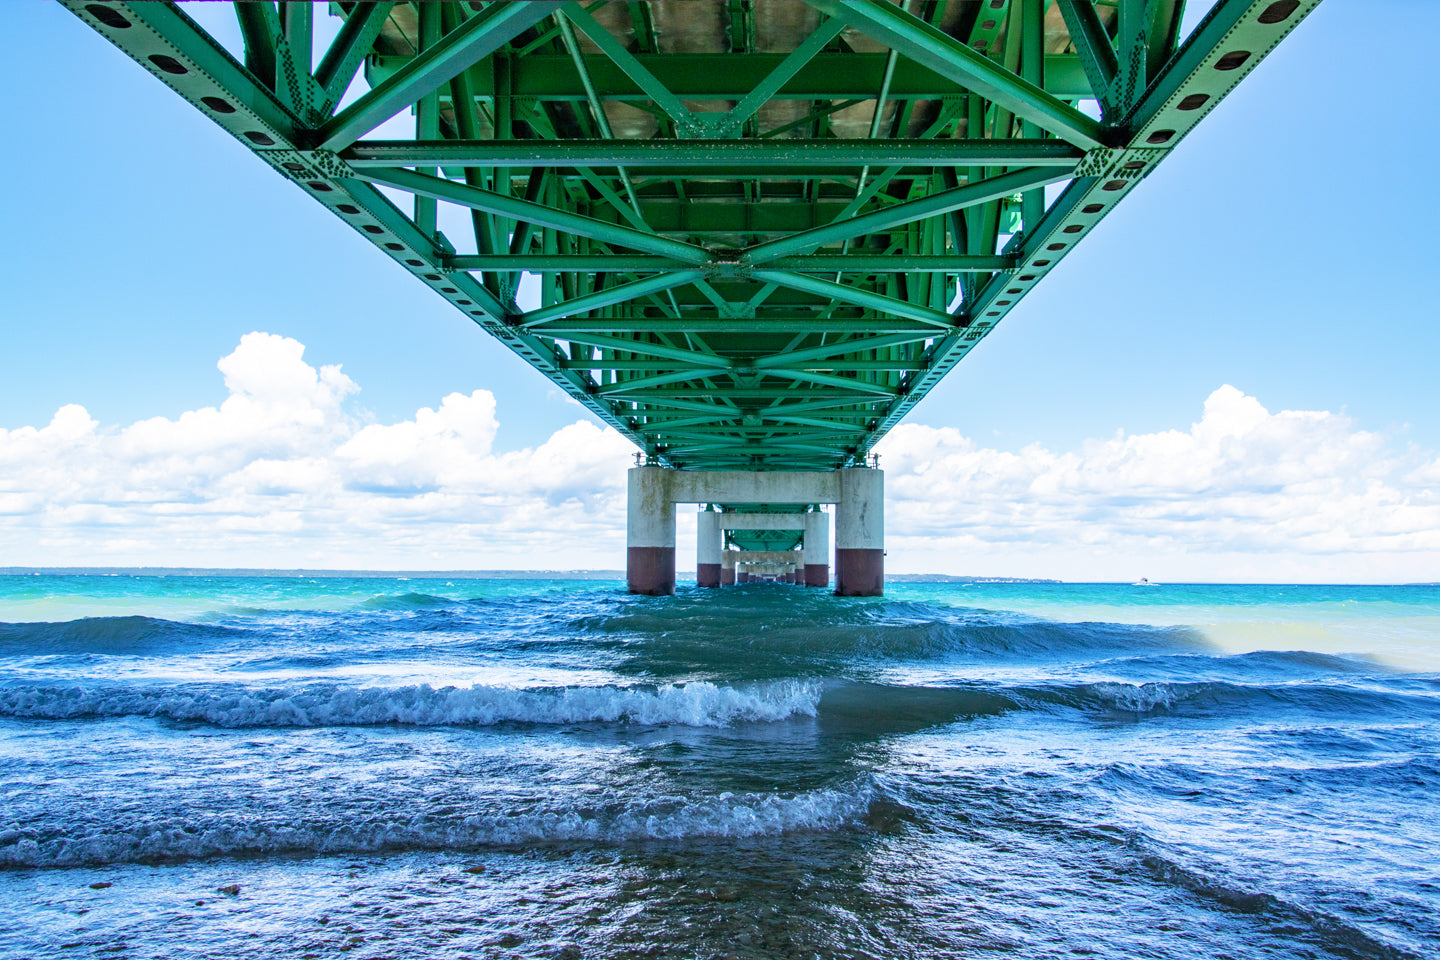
(748, 234)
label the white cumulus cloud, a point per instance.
(1242, 494)
(285, 472)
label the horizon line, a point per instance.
(607, 574)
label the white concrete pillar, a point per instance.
(817, 549)
(860, 533)
(707, 549)
(650, 532)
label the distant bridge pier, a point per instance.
(815, 571)
(727, 567)
(755, 565)
(858, 494)
(708, 566)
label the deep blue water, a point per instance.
(486, 768)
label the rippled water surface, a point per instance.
(250, 767)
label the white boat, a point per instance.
(1144, 582)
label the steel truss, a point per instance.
(760, 231)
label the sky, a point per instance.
(1230, 379)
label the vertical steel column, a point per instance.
(860, 533)
(817, 549)
(707, 548)
(650, 533)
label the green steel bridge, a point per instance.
(748, 234)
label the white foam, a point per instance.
(667, 818)
(1141, 698)
(697, 704)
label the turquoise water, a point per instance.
(417, 767)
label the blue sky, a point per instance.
(1284, 249)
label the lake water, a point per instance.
(283, 767)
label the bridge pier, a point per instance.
(650, 533)
(707, 548)
(727, 568)
(858, 494)
(816, 570)
(860, 534)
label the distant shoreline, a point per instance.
(260, 572)
(331, 574)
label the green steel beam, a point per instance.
(1092, 43)
(859, 296)
(164, 30)
(552, 77)
(830, 351)
(568, 263)
(197, 67)
(347, 51)
(685, 121)
(766, 89)
(608, 297)
(812, 263)
(259, 26)
(629, 386)
(831, 425)
(844, 383)
(898, 214)
(744, 393)
(297, 17)
(1200, 68)
(932, 47)
(718, 411)
(595, 363)
(475, 39)
(656, 366)
(635, 346)
(762, 287)
(1202, 72)
(561, 329)
(698, 154)
(791, 432)
(490, 202)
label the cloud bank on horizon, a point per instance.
(286, 472)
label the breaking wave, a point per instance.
(696, 704)
(163, 838)
(867, 706)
